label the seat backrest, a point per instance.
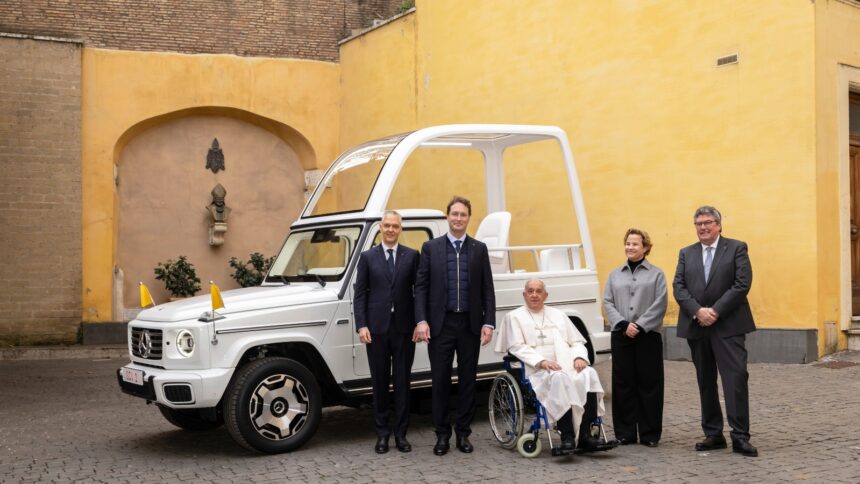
(558, 260)
(494, 231)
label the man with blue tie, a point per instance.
(455, 306)
(384, 310)
(711, 284)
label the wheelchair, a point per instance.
(511, 399)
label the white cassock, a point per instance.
(550, 335)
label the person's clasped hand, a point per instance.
(706, 316)
(632, 330)
(549, 365)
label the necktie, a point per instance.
(390, 261)
(709, 258)
(457, 245)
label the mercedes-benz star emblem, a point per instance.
(144, 344)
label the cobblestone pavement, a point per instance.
(66, 420)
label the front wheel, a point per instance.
(528, 445)
(190, 419)
(273, 405)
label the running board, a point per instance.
(354, 388)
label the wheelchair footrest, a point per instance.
(601, 447)
(558, 452)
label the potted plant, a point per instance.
(250, 273)
(179, 277)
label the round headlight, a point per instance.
(185, 343)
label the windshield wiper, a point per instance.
(319, 279)
(283, 278)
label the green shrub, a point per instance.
(405, 6)
(179, 277)
(250, 273)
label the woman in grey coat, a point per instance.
(635, 302)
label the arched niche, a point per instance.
(164, 187)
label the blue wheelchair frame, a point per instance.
(541, 420)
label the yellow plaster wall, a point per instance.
(123, 89)
(379, 83)
(656, 128)
(837, 27)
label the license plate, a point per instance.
(130, 375)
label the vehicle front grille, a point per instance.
(146, 343)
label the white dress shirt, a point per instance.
(705, 252)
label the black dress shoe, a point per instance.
(381, 445)
(712, 442)
(464, 445)
(744, 448)
(649, 443)
(442, 446)
(594, 444)
(627, 440)
(402, 444)
(568, 443)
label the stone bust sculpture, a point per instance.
(218, 209)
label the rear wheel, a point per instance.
(273, 405)
(191, 418)
(506, 410)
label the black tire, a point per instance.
(190, 419)
(273, 405)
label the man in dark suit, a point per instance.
(711, 285)
(384, 311)
(455, 306)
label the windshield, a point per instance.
(347, 185)
(314, 255)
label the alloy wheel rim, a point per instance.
(279, 407)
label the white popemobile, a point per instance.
(267, 362)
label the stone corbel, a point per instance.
(216, 233)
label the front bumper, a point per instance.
(198, 388)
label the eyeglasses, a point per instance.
(704, 223)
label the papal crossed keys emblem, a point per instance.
(215, 158)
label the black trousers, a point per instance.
(565, 423)
(391, 353)
(455, 337)
(711, 353)
(637, 386)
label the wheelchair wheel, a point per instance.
(506, 410)
(529, 445)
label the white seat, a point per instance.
(558, 260)
(494, 231)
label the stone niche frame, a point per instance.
(115, 332)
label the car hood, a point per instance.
(240, 300)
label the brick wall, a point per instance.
(306, 29)
(40, 191)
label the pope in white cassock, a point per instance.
(556, 364)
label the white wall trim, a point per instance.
(849, 80)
